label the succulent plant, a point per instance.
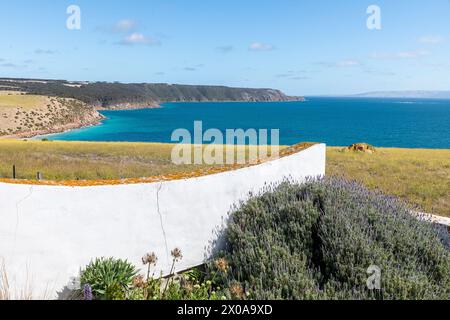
(103, 274)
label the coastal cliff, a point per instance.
(25, 116)
(31, 107)
(106, 95)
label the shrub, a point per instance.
(109, 278)
(317, 241)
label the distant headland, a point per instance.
(416, 94)
(116, 95)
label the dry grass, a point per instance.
(93, 160)
(4, 283)
(420, 176)
(9, 293)
(12, 99)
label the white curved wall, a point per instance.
(47, 233)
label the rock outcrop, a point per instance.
(361, 147)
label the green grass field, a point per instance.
(420, 176)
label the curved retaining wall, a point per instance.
(47, 233)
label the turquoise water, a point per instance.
(408, 123)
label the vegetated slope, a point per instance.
(24, 115)
(121, 95)
(331, 239)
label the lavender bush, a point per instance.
(87, 292)
(317, 241)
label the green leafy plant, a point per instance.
(116, 292)
(109, 278)
(183, 288)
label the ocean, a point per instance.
(405, 123)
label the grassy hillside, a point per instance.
(420, 176)
(92, 160)
(18, 99)
(22, 114)
(417, 175)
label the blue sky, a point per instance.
(300, 47)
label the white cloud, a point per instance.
(125, 25)
(348, 63)
(415, 54)
(340, 64)
(10, 65)
(42, 51)
(380, 73)
(293, 75)
(300, 78)
(284, 75)
(121, 26)
(225, 49)
(139, 38)
(194, 68)
(258, 46)
(431, 39)
(412, 54)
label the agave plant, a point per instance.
(106, 274)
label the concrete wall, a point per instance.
(48, 232)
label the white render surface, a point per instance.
(47, 233)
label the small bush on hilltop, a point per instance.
(318, 240)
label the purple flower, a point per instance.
(87, 291)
